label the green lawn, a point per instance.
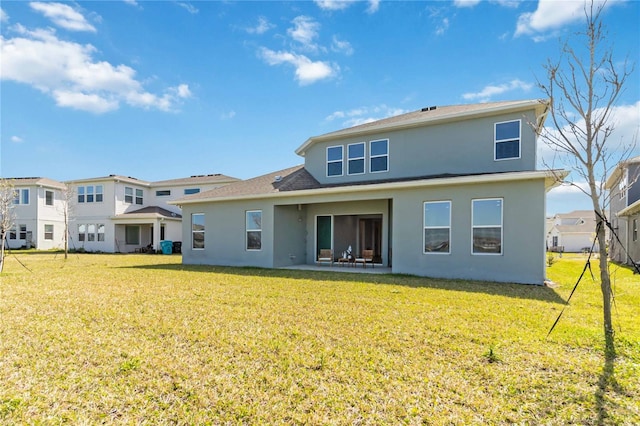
(141, 339)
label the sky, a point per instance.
(168, 89)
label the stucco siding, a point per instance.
(522, 258)
(290, 235)
(460, 147)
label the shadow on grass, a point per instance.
(606, 384)
(519, 291)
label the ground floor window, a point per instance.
(487, 226)
(48, 232)
(12, 233)
(197, 230)
(254, 229)
(132, 235)
(437, 226)
(91, 232)
(100, 232)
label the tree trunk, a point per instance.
(605, 286)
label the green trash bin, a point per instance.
(166, 246)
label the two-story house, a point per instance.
(447, 192)
(572, 232)
(38, 213)
(624, 211)
(124, 214)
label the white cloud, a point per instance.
(307, 71)
(16, 139)
(304, 31)
(362, 115)
(443, 27)
(131, 2)
(334, 4)
(488, 92)
(3, 16)
(374, 5)
(551, 15)
(343, 46)
(63, 16)
(261, 27)
(228, 115)
(189, 7)
(68, 73)
(465, 3)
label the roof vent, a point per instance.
(277, 178)
(431, 108)
(425, 109)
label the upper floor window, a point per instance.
(129, 197)
(355, 158)
(163, 192)
(437, 226)
(90, 194)
(189, 191)
(507, 140)
(334, 160)
(21, 196)
(379, 156)
(48, 198)
(622, 185)
(254, 230)
(197, 230)
(487, 226)
(634, 233)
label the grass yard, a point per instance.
(141, 339)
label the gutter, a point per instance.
(549, 176)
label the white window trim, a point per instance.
(363, 158)
(489, 226)
(45, 231)
(327, 162)
(53, 198)
(371, 157)
(496, 141)
(133, 196)
(204, 242)
(19, 192)
(425, 227)
(247, 230)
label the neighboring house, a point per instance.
(124, 214)
(38, 213)
(624, 211)
(448, 192)
(572, 232)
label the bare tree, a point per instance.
(584, 86)
(66, 207)
(7, 218)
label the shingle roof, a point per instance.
(198, 179)
(37, 181)
(437, 114)
(291, 179)
(151, 210)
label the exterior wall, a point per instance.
(35, 216)
(618, 202)
(634, 190)
(523, 244)
(225, 234)
(461, 147)
(290, 235)
(177, 191)
(634, 246)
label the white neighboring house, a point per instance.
(38, 213)
(571, 232)
(120, 214)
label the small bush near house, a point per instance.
(136, 339)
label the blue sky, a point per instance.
(168, 89)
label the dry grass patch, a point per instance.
(143, 339)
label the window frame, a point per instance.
(191, 191)
(99, 193)
(372, 156)
(474, 227)
(139, 198)
(22, 197)
(100, 228)
(82, 232)
(163, 192)
(634, 230)
(425, 227)
(23, 230)
(199, 231)
(497, 141)
(49, 197)
(128, 198)
(341, 161)
(48, 234)
(363, 158)
(249, 230)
